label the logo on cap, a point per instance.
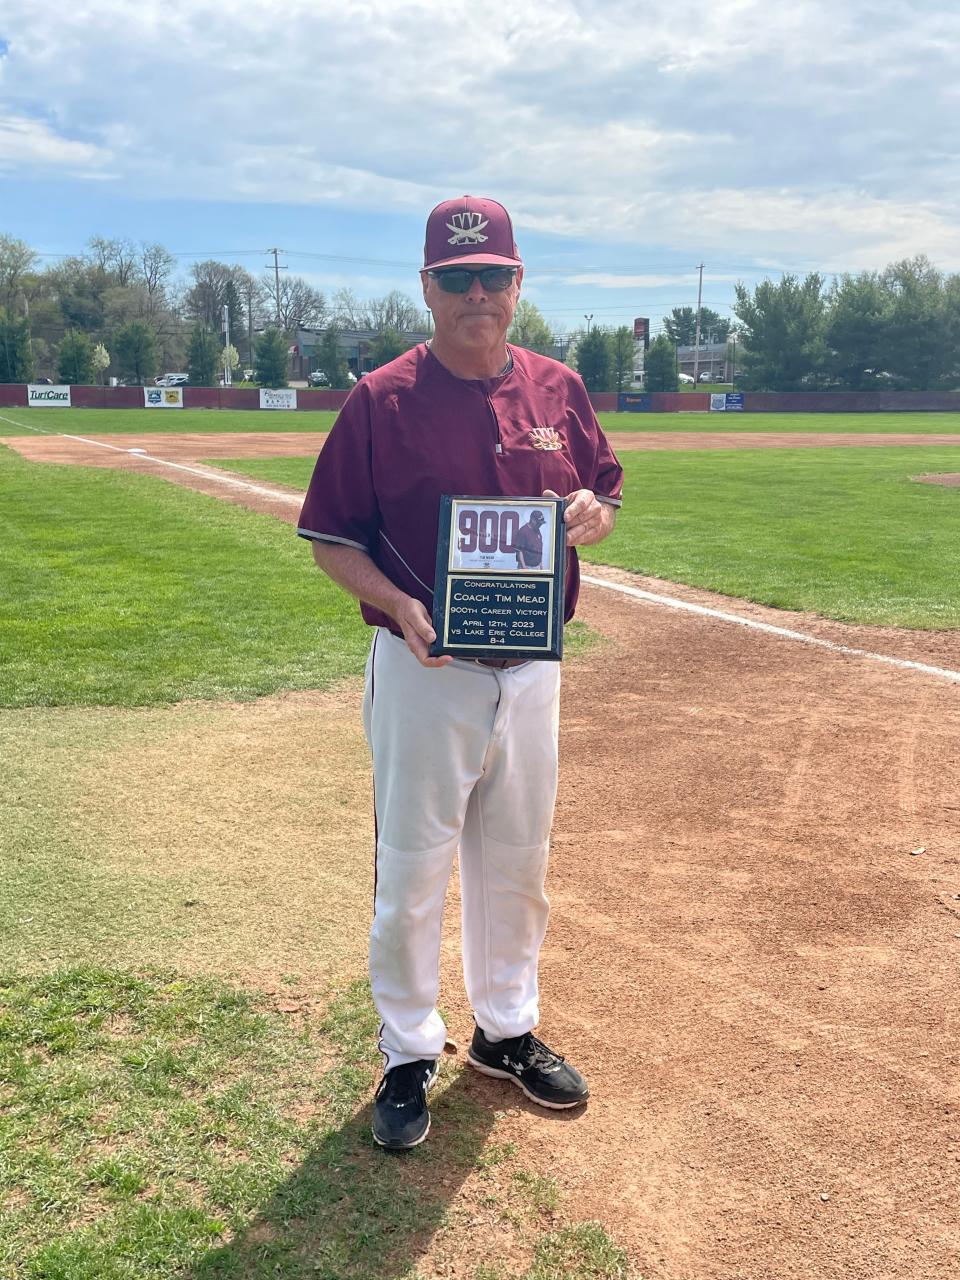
(467, 228)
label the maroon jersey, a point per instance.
(411, 431)
(528, 545)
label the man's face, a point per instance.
(475, 320)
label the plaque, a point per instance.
(500, 577)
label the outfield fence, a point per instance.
(16, 396)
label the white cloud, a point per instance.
(33, 145)
(790, 130)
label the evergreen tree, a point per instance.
(593, 360)
(858, 323)
(331, 361)
(783, 326)
(75, 359)
(386, 346)
(273, 359)
(203, 357)
(135, 347)
(16, 358)
(620, 343)
(660, 366)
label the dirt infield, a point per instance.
(755, 936)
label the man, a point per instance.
(464, 751)
(529, 542)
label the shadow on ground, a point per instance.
(351, 1210)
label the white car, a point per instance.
(172, 380)
(685, 377)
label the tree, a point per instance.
(273, 359)
(301, 306)
(395, 310)
(919, 345)
(593, 360)
(156, 264)
(386, 346)
(75, 364)
(205, 301)
(17, 259)
(101, 360)
(660, 365)
(16, 358)
(680, 326)
(203, 357)
(331, 361)
(135, 345)
(620, 343)
(349, 312)
(530, 330)
(858, 322)
(783, 326)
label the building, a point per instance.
(354, 344)
(716, 359)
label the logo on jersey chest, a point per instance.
(547, 438)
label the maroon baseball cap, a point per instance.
(467, 230)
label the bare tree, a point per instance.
(349, 312)
(395, 311)
(156, 264)
(300, 305)
(115, 257)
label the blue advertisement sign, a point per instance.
(633, 402)
(735, 401)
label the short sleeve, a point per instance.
(341, 505)
(608, 481)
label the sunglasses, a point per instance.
(460, 280)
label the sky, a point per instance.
(631, 142)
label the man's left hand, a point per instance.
(588, 520)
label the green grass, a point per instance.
(156, 1126)
(139, 421)
(130, 591)
(816, 423)
(841, 532)
(99, 422)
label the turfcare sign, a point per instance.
(48, 397)
(163, 397)
(498, 590)
(278, 397)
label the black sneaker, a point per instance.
(400, 1115)
(542, 1074)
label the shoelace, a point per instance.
(403, 1084)
(540, 1055)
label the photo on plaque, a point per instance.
(499, 590)
(502, 536)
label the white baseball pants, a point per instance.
(464, 756)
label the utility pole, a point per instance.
(588, 318)
(696, 341)
(276, 277)
(226, 343)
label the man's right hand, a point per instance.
(419, 633)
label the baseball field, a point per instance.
(755, 879)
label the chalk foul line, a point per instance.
(637, 593)
(670, 602)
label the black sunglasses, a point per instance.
(460, 280)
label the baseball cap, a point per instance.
(467, 230)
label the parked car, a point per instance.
(685, 377)
(172, 380)
(707, 376)
(43, 382)
(319, 379)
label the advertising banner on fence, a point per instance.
(734, 401)
(718, 401)
(278, 397)
(633, 402)
(48, 397)
(163, 397)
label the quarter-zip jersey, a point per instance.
(411, 431)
